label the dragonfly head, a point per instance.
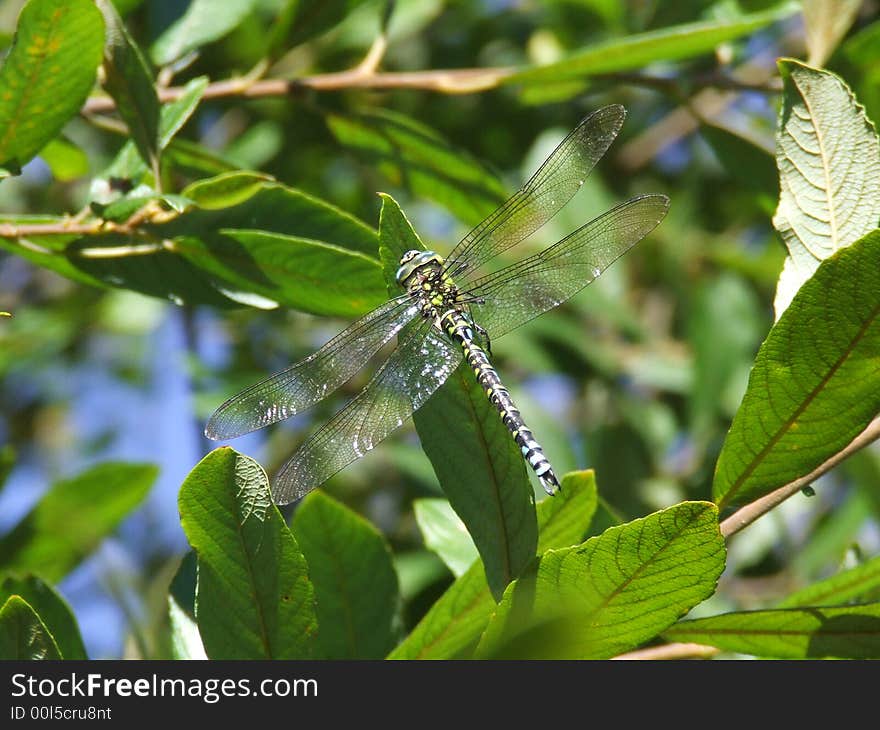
(413, 260)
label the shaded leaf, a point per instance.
(838, 589)
(22, 634)
(476, 460)
(417, 158)
(829, 169)
(815, 384)
(354, 579)
(129, 81)
(47, 74)
(851, 632)
(445, 534)
(640, 49)
(202, 23)
(452, 626)
(176, 113)
(72, 518)
(65, 160)
(300, 20)
(612, 592)
(53, 611)
(254, 597)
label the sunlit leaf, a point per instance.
(638, 50)
(52, 609)
(613, 592)
(445, 534)
(829, 170)
(22, 634)
(840, 588)
(254, 598)
(815, 384)
(47, 75)
(452, 627)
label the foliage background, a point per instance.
(638, 377)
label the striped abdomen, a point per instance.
(458, 327)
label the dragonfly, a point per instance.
(447, 312)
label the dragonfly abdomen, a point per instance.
(459, 328)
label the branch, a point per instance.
(446, 81)
(752, 511)
(671, 651)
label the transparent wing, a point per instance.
(550, 188)
(522, 291)
(420, 364)
(306, 382)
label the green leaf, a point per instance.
(129, 81)
(202, 23)
(638, 50)
(65, 160)
(226, 189)
(176, 113)
(300, 20)
(829, 171)
(53, 611)
(445, 534)
(277, 246)
(851, 632)
(838, 589)
(417, 158)
(186, 642)
(724, 328)
(301, 273)
(22, 634)
(452, 627)
(612, 592)
(355, 583)
(47, 75)
(815, 384)
(254, 597)
(746, 162)
(72, 518)
(473, 454)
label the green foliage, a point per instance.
(22, 634)
(453, 625)
(355, 583)
(254, 598)
(851, 632)
(47, 75)
(636, 51)
(814, 386)
(52, 610)
(72, 518)
(231, 167)
(612, 592)
(415, 157)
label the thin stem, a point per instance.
(752, 511)
(671, 651)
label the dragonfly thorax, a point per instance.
(422, 274)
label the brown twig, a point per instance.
(671, 651)
(752, 511)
